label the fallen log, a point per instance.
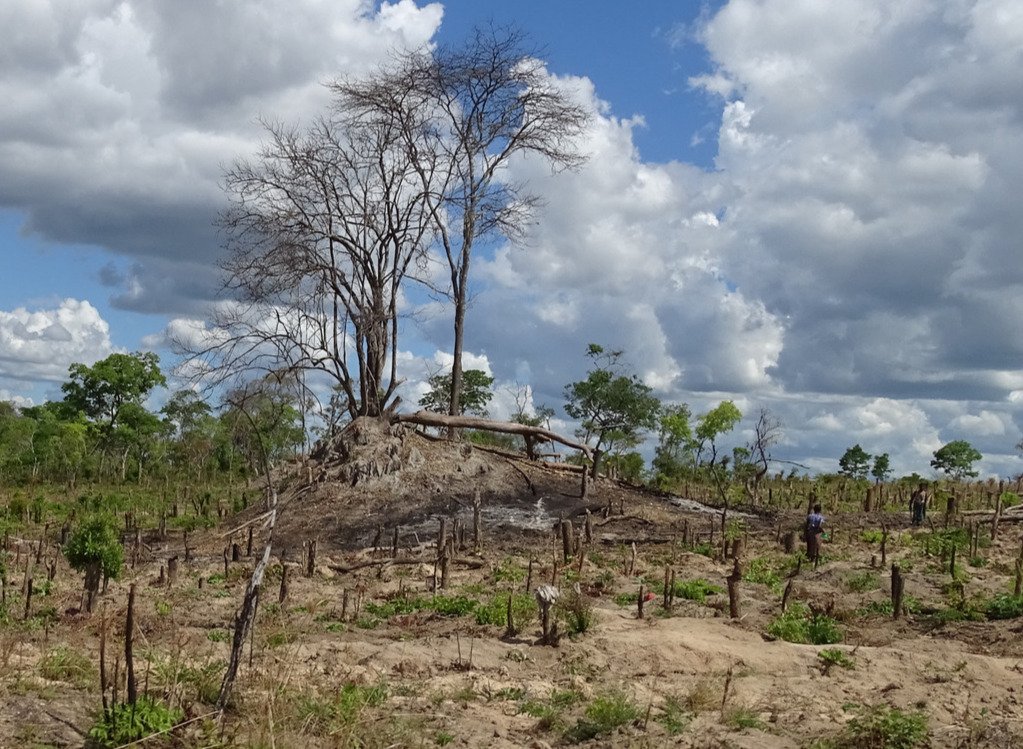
(432, 419)
(470, 564)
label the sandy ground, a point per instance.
(446, 680)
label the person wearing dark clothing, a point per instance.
(918, 502)
(813, 532)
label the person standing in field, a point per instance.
(918, 502)
(813, 531)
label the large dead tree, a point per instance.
(465, 112)
(323, 227)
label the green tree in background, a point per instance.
(675, 451)
(882, 468)
(854, 463)
(718, 421)
(956, 459)
(476, 393)
(102, 390)
(613, 408)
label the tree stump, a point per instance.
(567, 539)
(898, 588)
(790, 542)
(546, 597)
(733, 589)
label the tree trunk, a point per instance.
(431, 419)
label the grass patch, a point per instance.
(576, 610)
(550, 712)
(606, 713)
(741, 718)
(800, 626)
(885, 728)
(861, 582)
(761, 571)
(674, 715)
(884, 607)
(331, 714)
(1005, 606)
(65, 664)
(696, 590)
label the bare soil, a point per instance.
(376, 673)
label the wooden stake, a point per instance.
(733, 589)
(898, 588)
(129, 658)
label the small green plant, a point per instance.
(125, 723)
(831, 657)
(800, 626)
(886, 728)
(443, 738)
(705, 548)
(334, 713)
(217, 635)
(602, 716)
(495, 611)
(626, 599)
(1005, 606)
(910, 605)
(740, 718)
(759, 570)
(550, 711)
(871, 536)
(674, 716)
(509, 572)
(863, 581)
(576, 610)
(696, 590)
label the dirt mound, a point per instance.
(376, 476)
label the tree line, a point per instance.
(102, 431)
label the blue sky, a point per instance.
(810, 208)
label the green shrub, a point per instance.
(576, 610)
(96, 542)
(1005, 606)
(800, 626)
(495, 611)
(863, 581)
(125, 723)
(674, 716)
(831, 657)
(886, 728)
(606, 713)
(760, 570)
(910, 605)
(549, 712)
(508, 571)
(696, 590)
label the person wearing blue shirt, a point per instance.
(814, 530)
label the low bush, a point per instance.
(1005, 606)
(606, 713)
(125, 723)
(799, 625)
